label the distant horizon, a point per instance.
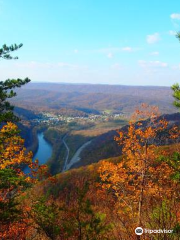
(106, 84)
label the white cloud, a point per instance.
(130, 49)
(33, 65)
(127, 49)
(153, 38)
(110, 55)
(76, 51)
(175, 16)
(172, 33)
(45, 65)
(154, 53)
(116, 66)
(116, 50)
(152, 64)
(67, 65)
(108, 50)
(175, 67)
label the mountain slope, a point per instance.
(87, 97)
(104, 146)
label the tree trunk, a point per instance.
(141, 203)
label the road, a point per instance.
(67, 155)
(76, 156)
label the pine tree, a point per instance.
(176, 87)
(7, 86)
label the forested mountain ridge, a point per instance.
(87, 97)
(104, 146)
(79, 195)
(25, 114)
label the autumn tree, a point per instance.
(46, 216)
(12, 179)
(13, 182)
(83, 222)
(140, 179)
(13, 156)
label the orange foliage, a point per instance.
(13, 182)
(140, 179)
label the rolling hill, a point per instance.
(92, 98)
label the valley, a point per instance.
(70, 138)
(82, 131)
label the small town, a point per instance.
(51, 118)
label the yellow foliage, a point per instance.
(13, 152)
(139, 178)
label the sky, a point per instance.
(129, 42)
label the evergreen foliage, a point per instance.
(7, 86)
(6, 50)
(176, 94)
(176, 87)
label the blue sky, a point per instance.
(92, 41)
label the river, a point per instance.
(44, 151)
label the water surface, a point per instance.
(44, 151)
